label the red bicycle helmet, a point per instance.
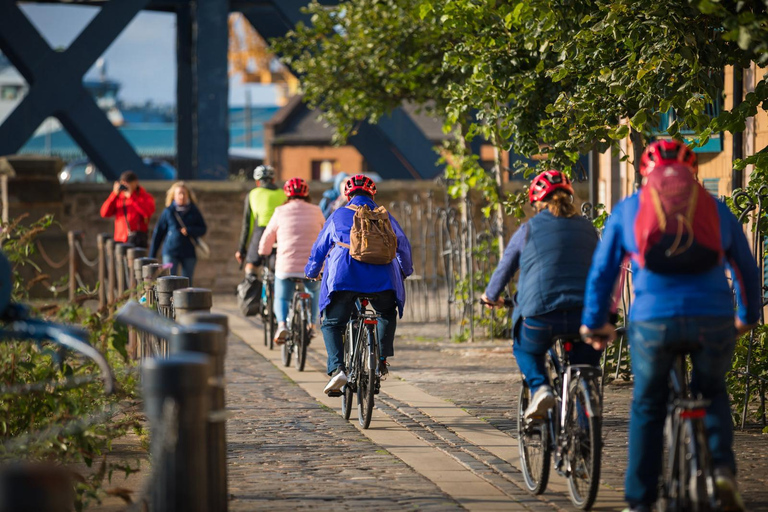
(667, 152)
(546, 183)
(296, 187)
(359, 182)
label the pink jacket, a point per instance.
(295, 226)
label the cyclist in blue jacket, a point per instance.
(344, 278)
(672, 308)
(553, 252)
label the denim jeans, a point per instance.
(187, 266)
(337, 314)
(535, 338)
(649, 344)
(284, 289)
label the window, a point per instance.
(322, 170)
(712, 185)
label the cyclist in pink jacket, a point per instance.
(295, 226)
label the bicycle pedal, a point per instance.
(335, 393)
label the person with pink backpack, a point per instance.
(681, 241)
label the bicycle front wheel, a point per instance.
(366, 380)
(348, 391)
(583, 426)
(533, 442)
(301, 339)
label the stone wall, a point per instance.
(76, 207)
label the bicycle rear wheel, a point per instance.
(584, 443)
(533, 442)
(270, 326)
(301, 339)
(366, 380)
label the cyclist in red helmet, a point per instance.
(673, 306)
(294, 226)
(345, 277)
(553, 251)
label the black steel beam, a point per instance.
(56, 89)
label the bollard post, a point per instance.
(31, 487)
(120, 253)
(209, 339)
(101, 241)
(177, 402)
(188, 300)
(110, 247)
(164, 287)
(132, 255)
(151, 344)
(138, 337)
(71, 235)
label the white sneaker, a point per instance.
(336, 383)
(281, 335)
(542, 401)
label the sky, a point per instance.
(142, 58)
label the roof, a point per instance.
(297, 124)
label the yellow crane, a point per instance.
(250, 58)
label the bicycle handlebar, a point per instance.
(67, 336)
(508, 302)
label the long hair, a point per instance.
(559, 203)
(171, 191)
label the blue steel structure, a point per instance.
(396, 144)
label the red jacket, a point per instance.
(138, 207)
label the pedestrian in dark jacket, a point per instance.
(180, 223)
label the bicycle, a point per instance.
(298, 322)
(688, 479)
(268, 319)
(361, 359)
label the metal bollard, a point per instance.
(138, 263)
(121, 250)
(209, 339)
(151, 344)
(164, 287)
(188, 300)
(177, 402)
(201, 317)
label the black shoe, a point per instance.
(383, 367)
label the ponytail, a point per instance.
(559, 203)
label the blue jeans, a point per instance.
(187, 266)
(284, 289)
(337, 314)
(649, 344)
(535, 338)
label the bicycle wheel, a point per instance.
(349, 388)
(533, 442)
(583, 443)
(700, 475)
(301, 333)
(287, 350)
(366, 379)
(270, 326)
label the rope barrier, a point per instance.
(90, 263)
(48, 260)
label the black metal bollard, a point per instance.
(152, 344)
(138, 263)
(177, 402)
(164, 287)
(27, 487)
(209, 339)
(189, 300)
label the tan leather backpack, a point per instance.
(372, 239)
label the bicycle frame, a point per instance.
(370, 319)
(565, 373)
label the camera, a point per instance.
(122, 188)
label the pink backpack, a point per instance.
(677, 228)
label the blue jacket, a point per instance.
(669, 296)
(168, 232)
(343, 273)
(553, 255)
